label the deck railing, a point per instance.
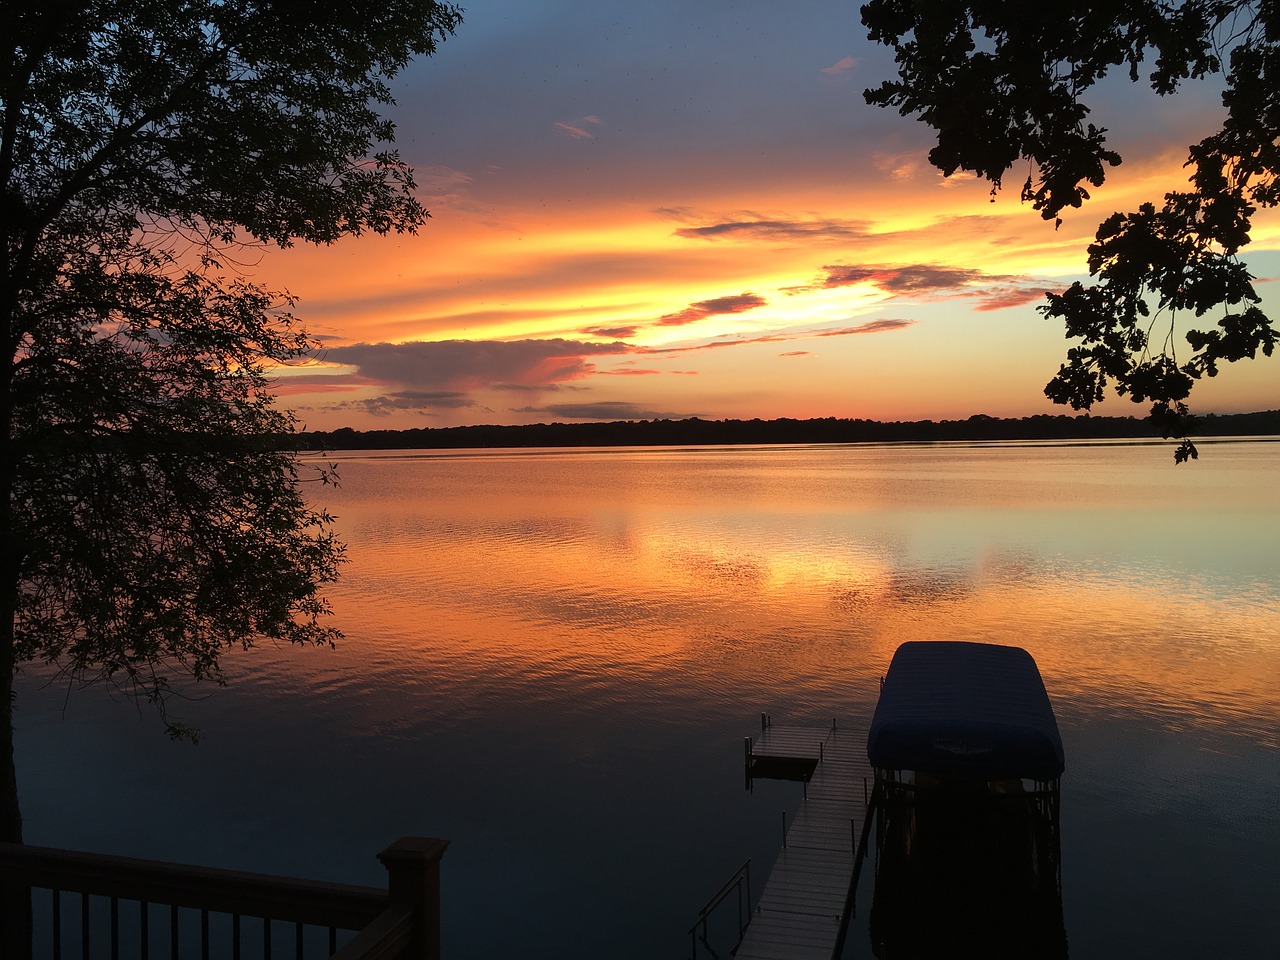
(126, 907)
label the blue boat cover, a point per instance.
(958, 709)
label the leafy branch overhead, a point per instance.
(1005, 84)
(154, 516)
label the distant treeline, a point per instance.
(696, 431)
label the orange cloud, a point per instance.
(612, 333)
(1003, 298)
(716, 306)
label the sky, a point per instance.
(678, 209)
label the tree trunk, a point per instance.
(15, 901)
(10, 814)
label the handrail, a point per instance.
(386, 938)
(734, 882)
(401, 922)
(344, 906)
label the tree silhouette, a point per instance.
(1004, 82)
(153, 516)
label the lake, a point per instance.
(552, 657)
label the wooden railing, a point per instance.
(401, 922)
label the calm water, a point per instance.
(552, 658)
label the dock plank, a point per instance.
(802, 911)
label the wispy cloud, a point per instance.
(606, 410)
(843, 65)
(779, 230)
(1002, 298)
(625, 371)
(294, 384)
(407, 400)
(913, 278)
(901, 166)
(990, 291)
(871, 326)
(621, 332)
(441, 186)
(717, 306)
(577, 129)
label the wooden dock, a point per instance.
(804, 910)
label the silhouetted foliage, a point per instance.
(152, 522)
(1004, 82)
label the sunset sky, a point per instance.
(676, 209)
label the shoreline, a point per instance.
(694, 431)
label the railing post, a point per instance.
(413, 880)
(15, 920)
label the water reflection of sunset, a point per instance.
(600, 563)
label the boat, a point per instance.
(968, 763)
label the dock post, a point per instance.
(764, 721)
(784, 829)
(413, 881)
(746, 763)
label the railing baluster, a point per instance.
(57, 925)
(333, 940)
(145, 946)
(235, 936)
(115, 928)
(173, 931)
(204, 935)
(84, 926)
(738, 892)
(297, 942)
(266, 938)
